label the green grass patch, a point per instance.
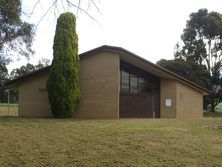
(10, 105)
(11, 110)
(124, 142)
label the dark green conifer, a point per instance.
(63, 81)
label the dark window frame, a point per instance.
(149, 78)
(121, 81)
(131, 88)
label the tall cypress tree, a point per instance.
(63, 81)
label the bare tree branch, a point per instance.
(63, 5)
(77, 12)
(66, 5)
(56, 10)
(55, 1)
(34, 7)
(81, 10)
(98, 10)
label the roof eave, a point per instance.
(15, 81)
(122, 51)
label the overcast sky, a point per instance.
(150, 29)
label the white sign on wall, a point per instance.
(168, 102)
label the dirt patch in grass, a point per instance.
(124, 142)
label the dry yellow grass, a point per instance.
(124, 142)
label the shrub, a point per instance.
(63, 81)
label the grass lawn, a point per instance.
(13, 109)
(6, 105)
(124, 142)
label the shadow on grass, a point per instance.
(212, 114)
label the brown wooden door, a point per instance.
(139, 106)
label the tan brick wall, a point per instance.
(167, 91)
(189, 103)
(33, 97)
(99, 86)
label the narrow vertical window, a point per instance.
(133, 83)
(124, 81)
(141, 85)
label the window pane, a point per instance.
(124, 81)
(148, 86)
(141, 85)
(133, 83)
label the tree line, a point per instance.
(199, 55)
(15, 73)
